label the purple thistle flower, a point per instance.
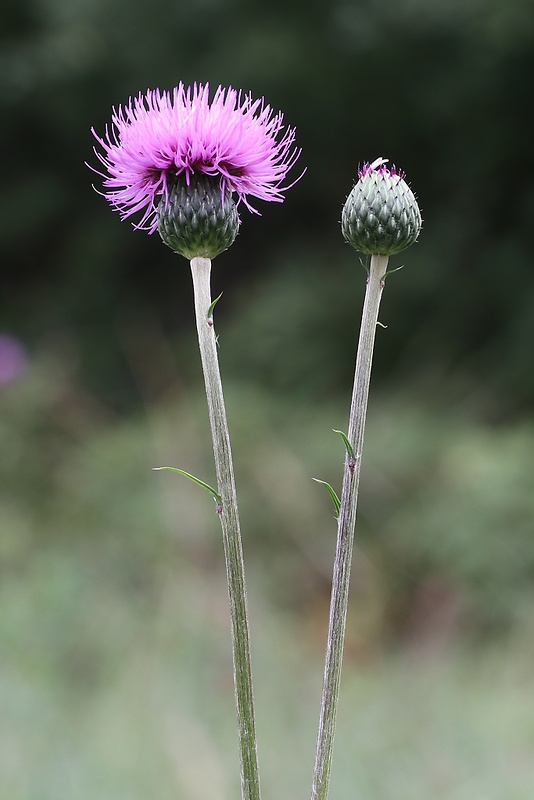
(159, 136)
(379, 166)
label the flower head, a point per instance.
(381, 215)
(161, 137)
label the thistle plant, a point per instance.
(185, 163)
(380, 218)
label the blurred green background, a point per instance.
(115, 666)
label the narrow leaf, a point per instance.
(391, 271)
(210, 309)
(349, 447)
(335, 499)
(204, 485)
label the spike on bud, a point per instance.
(381, 215)
(197, 217)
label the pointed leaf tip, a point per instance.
(216, 496)
(350, 449)
(212, 306)
(332, 492)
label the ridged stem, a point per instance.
(228, 513)
(346, 526)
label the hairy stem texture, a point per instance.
(345, 535)
(228, 512)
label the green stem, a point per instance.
(250, 785)
(346, 525)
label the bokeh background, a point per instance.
(115, 667)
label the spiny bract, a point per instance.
(381, 215)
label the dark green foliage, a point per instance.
(441, 90)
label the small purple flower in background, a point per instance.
(13, 359)
(161, 136)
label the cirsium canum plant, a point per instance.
(184, 162)
(380, 218)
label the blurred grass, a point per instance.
(115, 677)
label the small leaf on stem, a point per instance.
(390, 271)
(350, 449)
(216, 496)
(210, 309)
(332, 492)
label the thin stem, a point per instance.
(345, 536)
(228, 512)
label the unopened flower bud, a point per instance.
(381, 215)
(198, 218)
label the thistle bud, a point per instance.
(198, 218)
(381, 215)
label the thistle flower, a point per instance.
(381, 215)
(178, 159)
